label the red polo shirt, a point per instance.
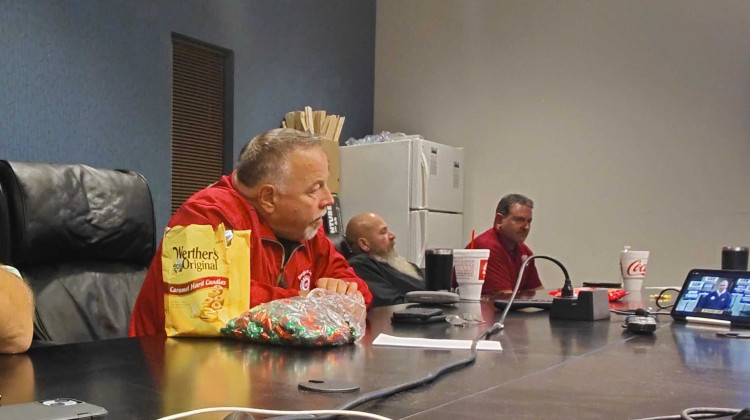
(504, 265)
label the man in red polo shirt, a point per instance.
(507, 250)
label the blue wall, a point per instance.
(88, 81)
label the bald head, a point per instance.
(368, 233)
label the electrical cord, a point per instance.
(705, 413)
(658, 298)
(261, 411)
(386, 392)
(495, 328)
(639, 311)
(645, 312)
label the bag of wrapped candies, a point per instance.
(322, 318)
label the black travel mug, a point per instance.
(438, 268)
(734, 258)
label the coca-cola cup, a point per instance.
(633, 265)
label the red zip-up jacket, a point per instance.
(222, 203)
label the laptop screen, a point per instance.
(716, 294)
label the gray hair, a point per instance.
(265, 158)
(503, 207)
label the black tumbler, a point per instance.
(734, 258)
(438, 268)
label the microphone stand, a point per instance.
(567, 290)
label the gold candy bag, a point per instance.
(206, 274)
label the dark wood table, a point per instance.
(547, 368)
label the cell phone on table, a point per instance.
(418, 316)
(54, 409)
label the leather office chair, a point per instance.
(83, 239)
(4, 228)
(342, 246)
(333, 226)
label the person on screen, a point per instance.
(16, 312)
(279, 192)
(505, 240)
(388, 275)
(720, 299)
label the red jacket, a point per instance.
(221, 203)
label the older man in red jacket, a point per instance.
(279, 192)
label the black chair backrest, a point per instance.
(339, 241)
(4, 229)
(82, 238)
(334, 228)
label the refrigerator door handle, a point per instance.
(423, 242)
(423, 166)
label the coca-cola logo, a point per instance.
(636, 268)
(482, 269)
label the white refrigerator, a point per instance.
(415, 184)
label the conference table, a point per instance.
(547, 369)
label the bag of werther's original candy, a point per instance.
(206, 273)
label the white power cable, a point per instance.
(276, 413)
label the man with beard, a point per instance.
(388, 275)
(505, 240)
(279, 193)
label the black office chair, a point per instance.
(342, 246)
(333, 226)
(83, 239)
(4, 228)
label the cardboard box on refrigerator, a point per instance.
(331, 148)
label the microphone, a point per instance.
(589, 305)
(567, 290)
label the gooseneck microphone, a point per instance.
(567, 290)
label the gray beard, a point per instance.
(310, 232)
(399, 263)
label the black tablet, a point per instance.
(715, 297)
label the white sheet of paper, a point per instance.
(429, 343)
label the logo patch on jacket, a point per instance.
(304, 280)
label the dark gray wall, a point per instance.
(86, 81)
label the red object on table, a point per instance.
(613, 294)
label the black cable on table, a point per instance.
(658, 298)
(495, 328)
(695, 413)
(386, 392)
